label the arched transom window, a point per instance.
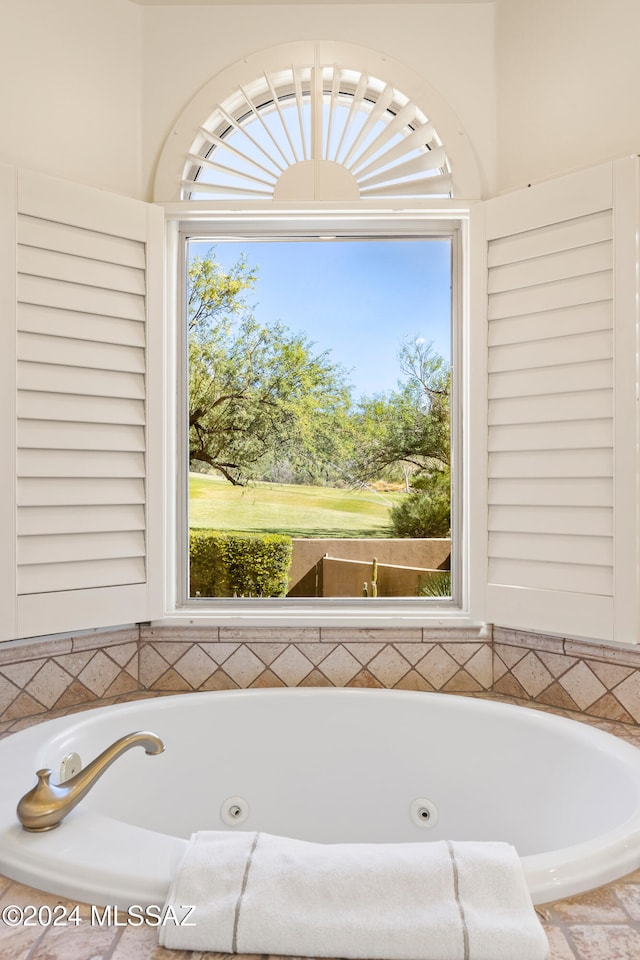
(316, 133)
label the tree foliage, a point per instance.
(258, 393)
(409, 427)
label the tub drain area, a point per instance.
(423, 813)
(234, 811)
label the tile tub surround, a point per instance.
(60, 672)
(603, 924)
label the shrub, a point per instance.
(427, 511)
(435, 585)
(237, 565)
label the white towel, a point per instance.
(262, 894)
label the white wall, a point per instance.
(568, 83)
(70, 83)
(450, 45)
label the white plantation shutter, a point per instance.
(555, 535)
(88, 309)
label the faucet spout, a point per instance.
(47, 804)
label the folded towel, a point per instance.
(262, 894)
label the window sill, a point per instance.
(290, 613)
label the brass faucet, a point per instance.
(45, 807)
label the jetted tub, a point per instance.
(330, 765)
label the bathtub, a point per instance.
(329, 765)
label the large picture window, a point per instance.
(319, 417)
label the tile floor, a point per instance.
(603, 924)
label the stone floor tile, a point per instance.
(596, 906)
(559, 948)
(629, 896)
(605, 942)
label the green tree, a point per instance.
(407, 434)
(407, 431)
(257, 391)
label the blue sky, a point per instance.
(359, 299)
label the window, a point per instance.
(308, 154)
(319, 417)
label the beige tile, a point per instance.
(141, 943)
(437, 667)
(173, 650)
(559, 948)
(413, 681)
(532, 641)
(16, 651)
(510, 655)
(270, 634)
(340, 666)
(82, 942)
(532, 674)
(219, 681)
(123, 683)
(556, 663)
(243, 666)
(316, 652)
(367, 634)
(462, 651)
(20, 673)
(628, 693)
(171, 681)
(413, 651)
(8, 693)
(626, 655)
(364, 652)
(74, 663)
(389, 666)
(75, 693)
(364, 679)
(480, 666)
(267, 679)
(122, 652)
(267, 652)
(596, 906)
(195, 666)
(99, 673)
(461, 682)
(152, 665)
(582, 685)
(510, 687)
(49, 683)
(611, 674)
(629, 896)
(600, 942)
(610, 708)
(557, 696)
(220, 652)
(499, 667)
(291, 666)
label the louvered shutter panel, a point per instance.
(87, 322)
(553, 361)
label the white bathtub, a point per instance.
(329, 765)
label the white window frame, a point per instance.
(253, 220)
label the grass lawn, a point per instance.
(300, 511)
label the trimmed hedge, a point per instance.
(238, 565)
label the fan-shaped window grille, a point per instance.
(324, 133)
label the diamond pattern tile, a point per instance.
(532, 674)
(582, 685)
(437, 667)
(340, 666)
(389, 666)
(58, 674)
(243, 667)
(195, 666)
(291, 666)
(49, 683)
